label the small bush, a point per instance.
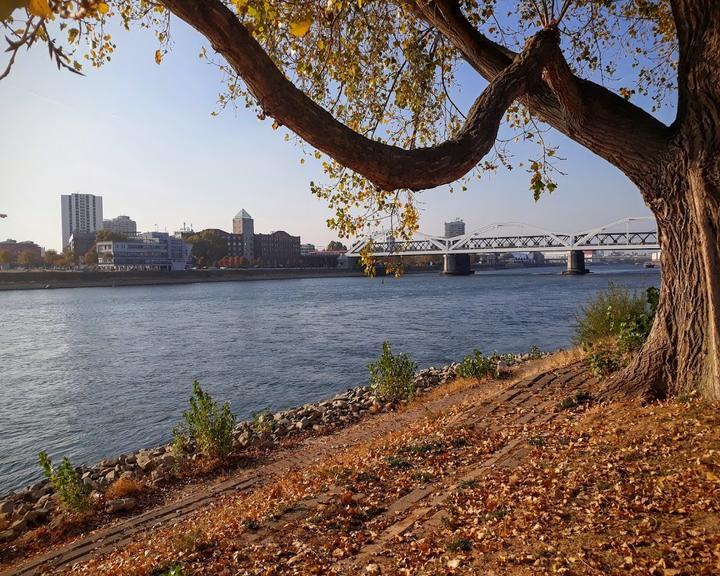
(534, 353)
(603, 362)
(208, 424)
(67, 483)
(123, 488)
(392, 376)
(632, 332)
(476, 365)
(601, 318)
(263, 422)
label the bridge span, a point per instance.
(634, 233)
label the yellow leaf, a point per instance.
(103, 8)
(39, 8)
(158, 56)
(301, 27)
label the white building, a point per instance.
(80, 213)
(306, 249)
(148, 251)
(121, 225)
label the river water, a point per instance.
(95, 372)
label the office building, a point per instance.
(277, 249)
(244, 226)
(121, 225)
(454, 228)
(80, 213)
(147, 251)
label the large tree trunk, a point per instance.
(682, 353)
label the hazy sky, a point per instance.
(141, 136)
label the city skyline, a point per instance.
(141, 136)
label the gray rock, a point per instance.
(120, 505)
(6, 506)
(166, 460)
(145, 461)
(111, 476)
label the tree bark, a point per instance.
(682, 352)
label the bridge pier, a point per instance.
(457, 264)
(576, 263)
(353, 263)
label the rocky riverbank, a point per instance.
(37, 505)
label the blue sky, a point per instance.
(142, 136)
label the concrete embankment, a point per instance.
(60, 279)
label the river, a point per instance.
(94, 372)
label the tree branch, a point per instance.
(388, 167)
(610, 126)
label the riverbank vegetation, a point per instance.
(392, 376)
(207, 424)
(613, 326)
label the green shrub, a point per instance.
(263, 422)
(534, 353)
(392, 376)
(476, 365)
(632, 332)
(209, 425)
(602, 317)
(66, 482)
(604, 362)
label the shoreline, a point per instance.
(34, 505)
(46, 280)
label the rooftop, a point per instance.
(242, 215)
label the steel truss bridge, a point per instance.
(499, 238)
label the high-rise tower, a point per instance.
(80, 213)
(243, 224)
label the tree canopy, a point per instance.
(370, 83)
(208, 246)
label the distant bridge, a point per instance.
(500, 238)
